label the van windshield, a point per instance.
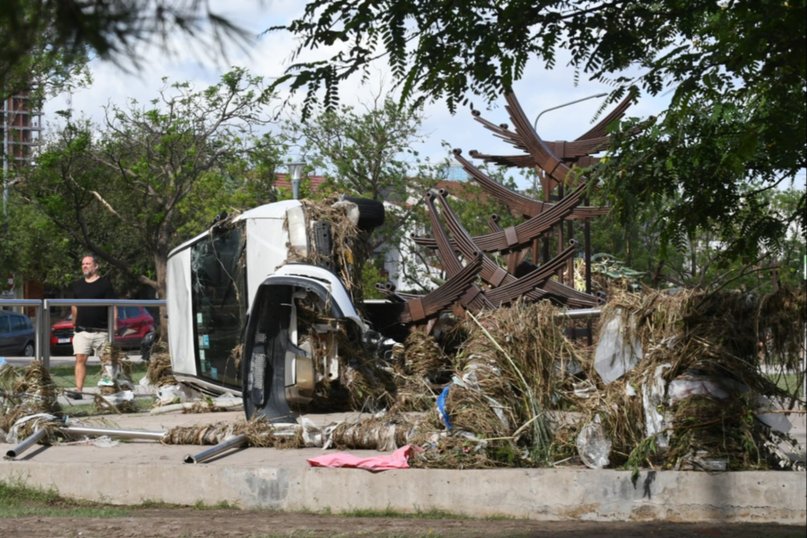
(218, 274)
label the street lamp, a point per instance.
(295, 171)
(535, 123)
(586, 224)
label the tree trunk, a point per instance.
(161, 267)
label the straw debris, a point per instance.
(25, 392)
(159, 371)
(385, 432)
(346, 249)
(706, 346)
(259, 433)
(116, 376)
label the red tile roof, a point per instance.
(282, 181)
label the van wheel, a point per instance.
(28, 350)
(371, 212)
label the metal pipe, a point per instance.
(582, 313)
(122, 434)
(26, 444)
(233, 442)
(535, 123)
(45, 347)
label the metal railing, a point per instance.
(42, 320)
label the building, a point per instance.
(20, 130)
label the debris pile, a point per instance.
(258, 433)
(159, 373)
(338, 243)
(673, 381)
(25, 393)
(115, 387)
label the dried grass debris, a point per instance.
(159, 371)
(259, 433)
(26, 391)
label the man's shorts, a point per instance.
(89, 343)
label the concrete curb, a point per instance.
(137, 471)
(282, 480)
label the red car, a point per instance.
(134, 323)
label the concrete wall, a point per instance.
(541, 494)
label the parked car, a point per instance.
(16, 334)
(134, 323)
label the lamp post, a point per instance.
(295, 171)
(586, 224)
(535, 123)
(541, 113)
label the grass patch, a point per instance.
(221, 505)
(18, 500)
(63, 375)
(790, 383)
(430, 514)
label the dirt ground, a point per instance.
(191, 523)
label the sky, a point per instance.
(537, 91)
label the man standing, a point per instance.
(90, 323)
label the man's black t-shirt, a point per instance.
(92, 317)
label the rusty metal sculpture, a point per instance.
(551, 278)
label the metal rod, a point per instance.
(582, 313)
(535, 123)
(26, 444)
(123, 434)
(233, 442)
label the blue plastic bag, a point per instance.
(441, 407)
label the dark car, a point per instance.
(16, 334)
(134, 323)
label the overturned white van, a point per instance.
(257, 306)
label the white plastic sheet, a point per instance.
(593, 447)
(653, 401)
(616, 354)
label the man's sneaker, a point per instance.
(73, 395)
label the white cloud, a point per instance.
(269, 57)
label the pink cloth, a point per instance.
(397, 460)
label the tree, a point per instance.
(736, 70)
(46, 46)
(366, 152)
(66, 32)
(33, 245)
(28, 61)
(155, 176)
